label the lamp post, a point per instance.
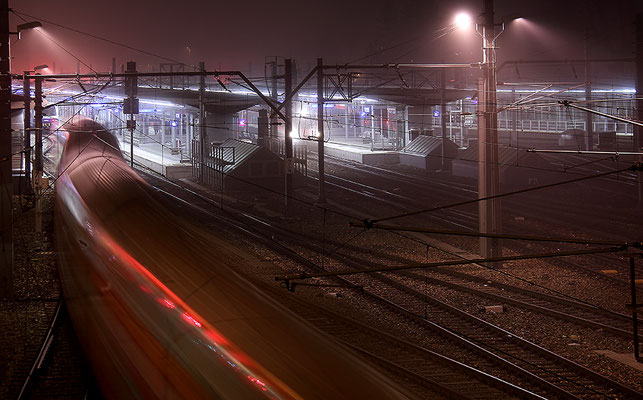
(6, 185)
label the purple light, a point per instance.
(436, 113)
(174, 123)
(242, 122)
(474, 101)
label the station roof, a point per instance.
(418, 97)
(216, 102)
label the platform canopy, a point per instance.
(418, 97)
(216, 102)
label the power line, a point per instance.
(100, 38)
(48, 37)
(634, 167)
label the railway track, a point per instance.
(556, 374)
(580, 164)
(556, 307)
(604, 268)
(544, 365)
(58, 371)
(422, 368)
(459, 218)
(22, 367)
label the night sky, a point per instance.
(240, 35)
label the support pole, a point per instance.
(443, 117)
(262, 128)
(38, 128)
(638, 105)
(407, 134)
(514, 121)
(320, 130)
(26, 90)
(190, 132)
(289, 167)
(131, 142)
(173, 130)
(131, 90)
(38, 167)
(202, 125)
(346, 121)
(589, 118)
(274, 121)
(635, 306)
(6, 189)
(488, 174)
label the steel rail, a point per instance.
(42, 353)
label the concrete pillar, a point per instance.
(262, 128)
(173, 130)
(190, 133)
(346, 121)
(407, 138)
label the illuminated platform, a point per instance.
(356, 150)
(159, 160)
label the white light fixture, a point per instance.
(462, 21)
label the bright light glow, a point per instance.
(29, 25)
(191, 319)
(462, 21)
(167, 303)
(242, 122)
(258, 382)
(291, 134)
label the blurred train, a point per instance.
(160, 311)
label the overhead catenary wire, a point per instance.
(634, 167)
(19, 13)
(377, 268)
(637, 244)
(98, 37)
(340, 123)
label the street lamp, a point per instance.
(21, 28)
(462, 21)
(27, 26)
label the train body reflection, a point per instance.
(158, 309)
